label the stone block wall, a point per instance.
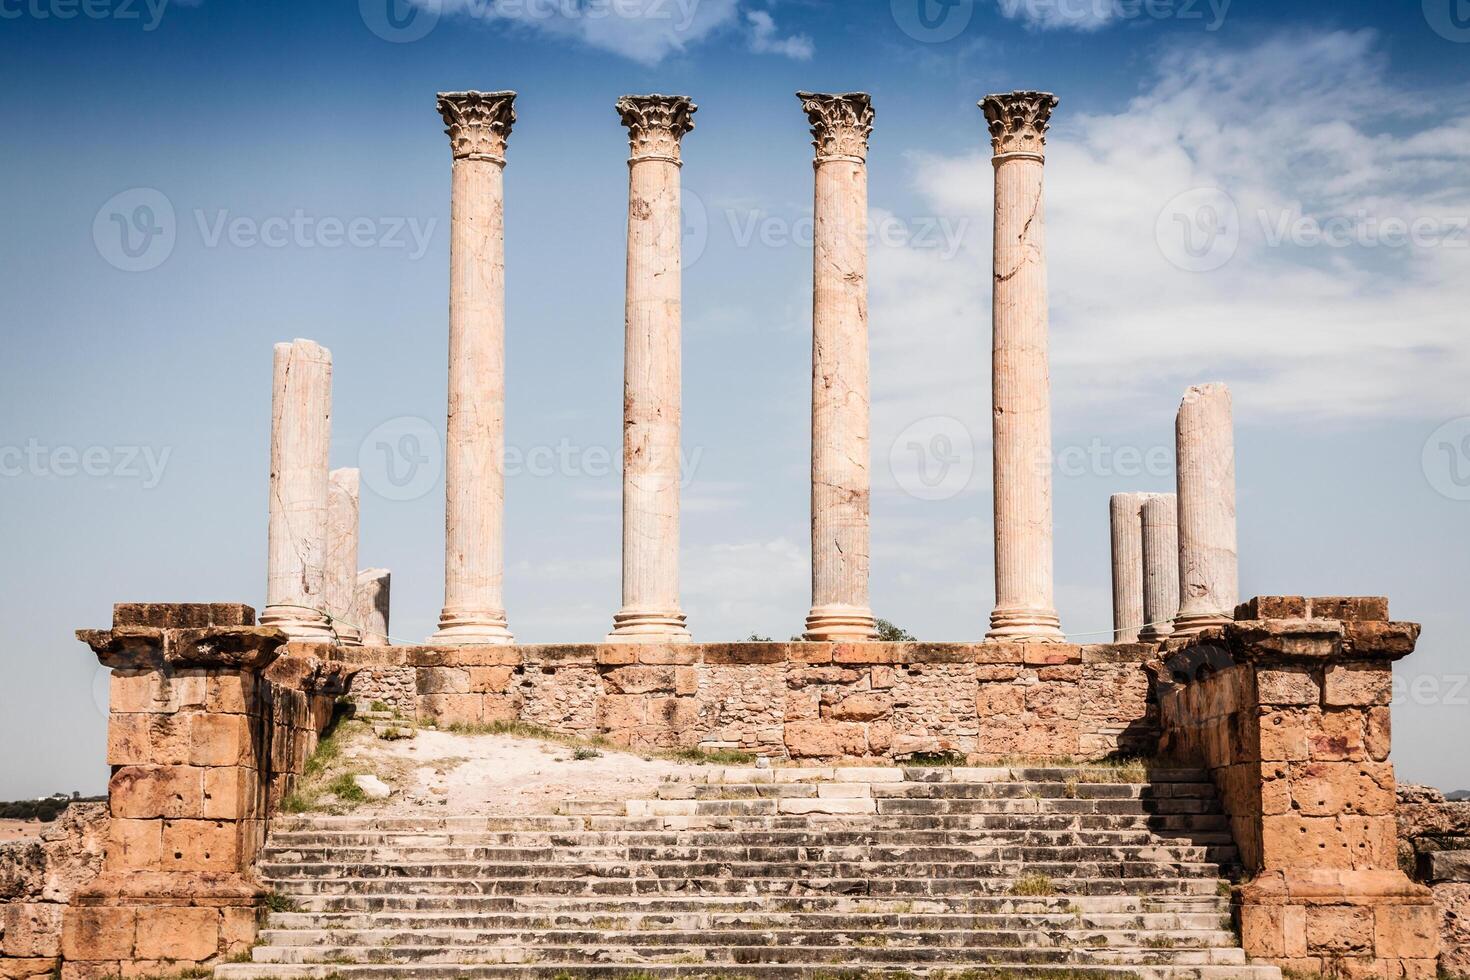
(1288, 708)
(37, 880)
(807, 701)
(210, 720)
(1434, 848)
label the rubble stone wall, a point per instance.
(37, 880)
(1434, 848)
(807, 701)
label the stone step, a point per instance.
(914, 885)
(743, 870)
(818, 837)
(612, 920)
(766, 971)
(906, 790)
(731, 957)
(757, 823)
(407, 903)
(939, 774)
(885, 934)
(818, 853)
(897, 806)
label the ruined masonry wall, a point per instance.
(810, 701)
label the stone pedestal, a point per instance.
(1296, 737)
(188, 741)
(479, 125)
(1209, 584)
(1125, 519)
(841, 455)
(301, 437)
(371, 605)
(1021, 384)
(652, 372)
(344, 495)
(1160, 567)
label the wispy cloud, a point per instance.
(1251, 217)
(764, 38)
(1076, 15)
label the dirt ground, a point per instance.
(13, 830)
(499, 775)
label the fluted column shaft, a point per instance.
(1125, 514)
(1209, 581)
(301, 438)
(1160, 567)
(1024, 607)
(652, 394)
(841, 455)
(479, 125)
(344, 490)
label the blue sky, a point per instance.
(1271, 194)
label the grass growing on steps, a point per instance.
(521, 729)
(1033, 886)
(325, 785)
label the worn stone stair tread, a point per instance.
(338, 922)
(734, 956)
(542, 971)
(1213, 903)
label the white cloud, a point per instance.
(1301, 132)
(763, 38)
(645, 31)
(1077, 15)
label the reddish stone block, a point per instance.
(98, 933)
(491, 680)
(221, 740)
(862, 707)
(825, 740)
(201, 846)
(1340, 929)
(30, 930)
(143, 792)
(1358, 685)
(189, 934)
(1288, 686)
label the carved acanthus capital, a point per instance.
(656, 124)
(1018, 121)
(478, 123)
(841, 124)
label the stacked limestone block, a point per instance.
(37, 880)
(806, 701)
(1295, 732)
(1434, 848)
(207, 724)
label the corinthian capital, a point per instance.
(1018, 121)
(656, 123)
(478, 123)
(841, 124)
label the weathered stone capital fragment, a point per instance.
(1018, 122)
(478, 123)
(656, 124)
(248, 648)
(841, 124)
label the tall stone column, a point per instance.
(1160, 567)
(1125, 513)
(1020, 379)
(1209, 581)
(651, 372)
(479, 125)
(301, 438)
(841, 125)
(344, 502)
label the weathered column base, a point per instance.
(840, 624)
(643, 626)
(472, 627)
(1025, 626)
(1340, 923)
(1186, 627)
(159, 922)
(303, 625)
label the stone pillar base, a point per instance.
(840, 624)
(1340, 923)
(1025, 626)
(159, 922)
(644, 626)
(471, 627)
(1191, 626)
(299, 624)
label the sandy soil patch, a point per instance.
(500, 775)
(13, 830)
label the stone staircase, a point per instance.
(774, 873)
